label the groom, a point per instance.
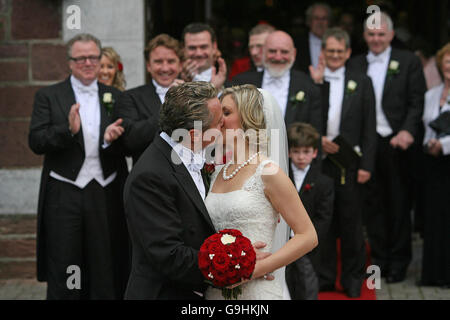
(164, 194)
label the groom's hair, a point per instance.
(186, 103)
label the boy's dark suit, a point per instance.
(308, 111)
(388, 217)
(317, 198)
(139, 109)
(168, 223)
(358, 128)
(64, 154)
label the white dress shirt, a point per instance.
(299, 175)
(204, 75)
(192, 161)
(377, 69)
(87, 97)
(336, 96)
(278, 87)
(160, 90)
(315, 47)
(431, 111)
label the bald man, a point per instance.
(299, 99)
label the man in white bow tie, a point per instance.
(139, 107)
(80, 215)
(349, 114)
(399, 87)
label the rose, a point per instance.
(209, 168)
(308, 187)
(352, 85)
(227, 239)
(232, 232)
(221, 261)
(394, 65)
(300, 96)
(107, 97)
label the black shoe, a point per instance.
(327, 287)
(395, 277)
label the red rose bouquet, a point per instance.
(225, 258)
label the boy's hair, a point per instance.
(303, 135)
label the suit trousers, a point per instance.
(302, 280)
(388, 218)
(347, 225)
(77, 231)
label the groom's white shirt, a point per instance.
(192, 161)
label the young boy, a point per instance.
(317, 194)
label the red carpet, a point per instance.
(366, 293)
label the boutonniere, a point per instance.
(108, 102)
(208, 169)
(351, 87)
(393, 68)
(298, 98)
(308, 186)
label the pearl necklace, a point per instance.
(224, 173)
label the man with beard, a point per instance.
(203, 61)
(139, 107)
(296, 94)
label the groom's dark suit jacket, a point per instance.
(64, 154)
(168, 222)
(139, 109)
(309, 111)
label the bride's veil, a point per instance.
(278, 152)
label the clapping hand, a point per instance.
(218, 79)
(190, 70)
(113, 131)
(74, 118)
(317, 73)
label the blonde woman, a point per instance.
(250, 192)
(111, 69)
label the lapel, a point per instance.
(66, 99)
(309, 179)
(104, 118)
(346, 101)
(388, 82)
(293, 89)
(151, 100)
(184, 178)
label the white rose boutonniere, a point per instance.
(298, 98)
(351, 86)
(394, 67)
(108, 102)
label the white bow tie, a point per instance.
(371, 58)
(161, 90)
(91, 90)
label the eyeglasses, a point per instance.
(333, 51)
(81, 60)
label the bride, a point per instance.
(250, 192)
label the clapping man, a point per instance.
(399, 87)
(349, 114)
(81, 227)
(202, 57)
(139, 107)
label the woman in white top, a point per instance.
(436, 251)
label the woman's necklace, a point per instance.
(224, 173)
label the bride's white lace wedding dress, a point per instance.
(249, 211)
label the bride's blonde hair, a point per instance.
(249, 102)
